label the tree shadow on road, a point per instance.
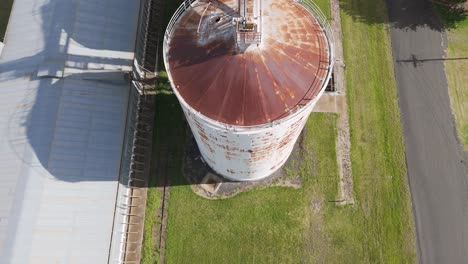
(407, 15)
(453, 13)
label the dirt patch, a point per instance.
(316, 204)
(315, 236)
(343, 149)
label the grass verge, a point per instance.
(168, 142)
(456, 70)
(377, 150)
(150, 250)
(163, 134)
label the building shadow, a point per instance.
(73, 109)
(176, 158)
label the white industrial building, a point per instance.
(63, 108)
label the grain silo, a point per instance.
(247, 74)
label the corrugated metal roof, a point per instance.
(61, 138)
(253, 86)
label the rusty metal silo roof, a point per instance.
(252, 86)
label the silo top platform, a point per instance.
(247, 85)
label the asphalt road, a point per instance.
(436, 170)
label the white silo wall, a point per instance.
(246, 153)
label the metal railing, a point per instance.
(249, 37)
(126, 243)
(141, 73)
(149, 34)
(313, 9)
(175, 17)
(147, 46)
(170, 28)
(321, 18)
(142, 31)
(134, 166)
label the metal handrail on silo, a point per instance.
(175, 17)
(310, 6)
(315, 11)
(322, 19)
(170, 27)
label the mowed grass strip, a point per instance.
(273, 225)
(150, 250)
(164, 133)
(324, 6)
(377, 150)
(456, 71)
(168, 142)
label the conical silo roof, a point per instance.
(252, 86)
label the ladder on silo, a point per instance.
(249, 22)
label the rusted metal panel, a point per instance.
(247, 107)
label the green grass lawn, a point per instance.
(5, 8)
(324, 6)
(150, 251)
(456, 71)
(283, 225)
(377, 150)
(274, 225)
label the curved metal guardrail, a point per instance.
(321, 18)
(177, 14)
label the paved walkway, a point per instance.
(436, 171)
